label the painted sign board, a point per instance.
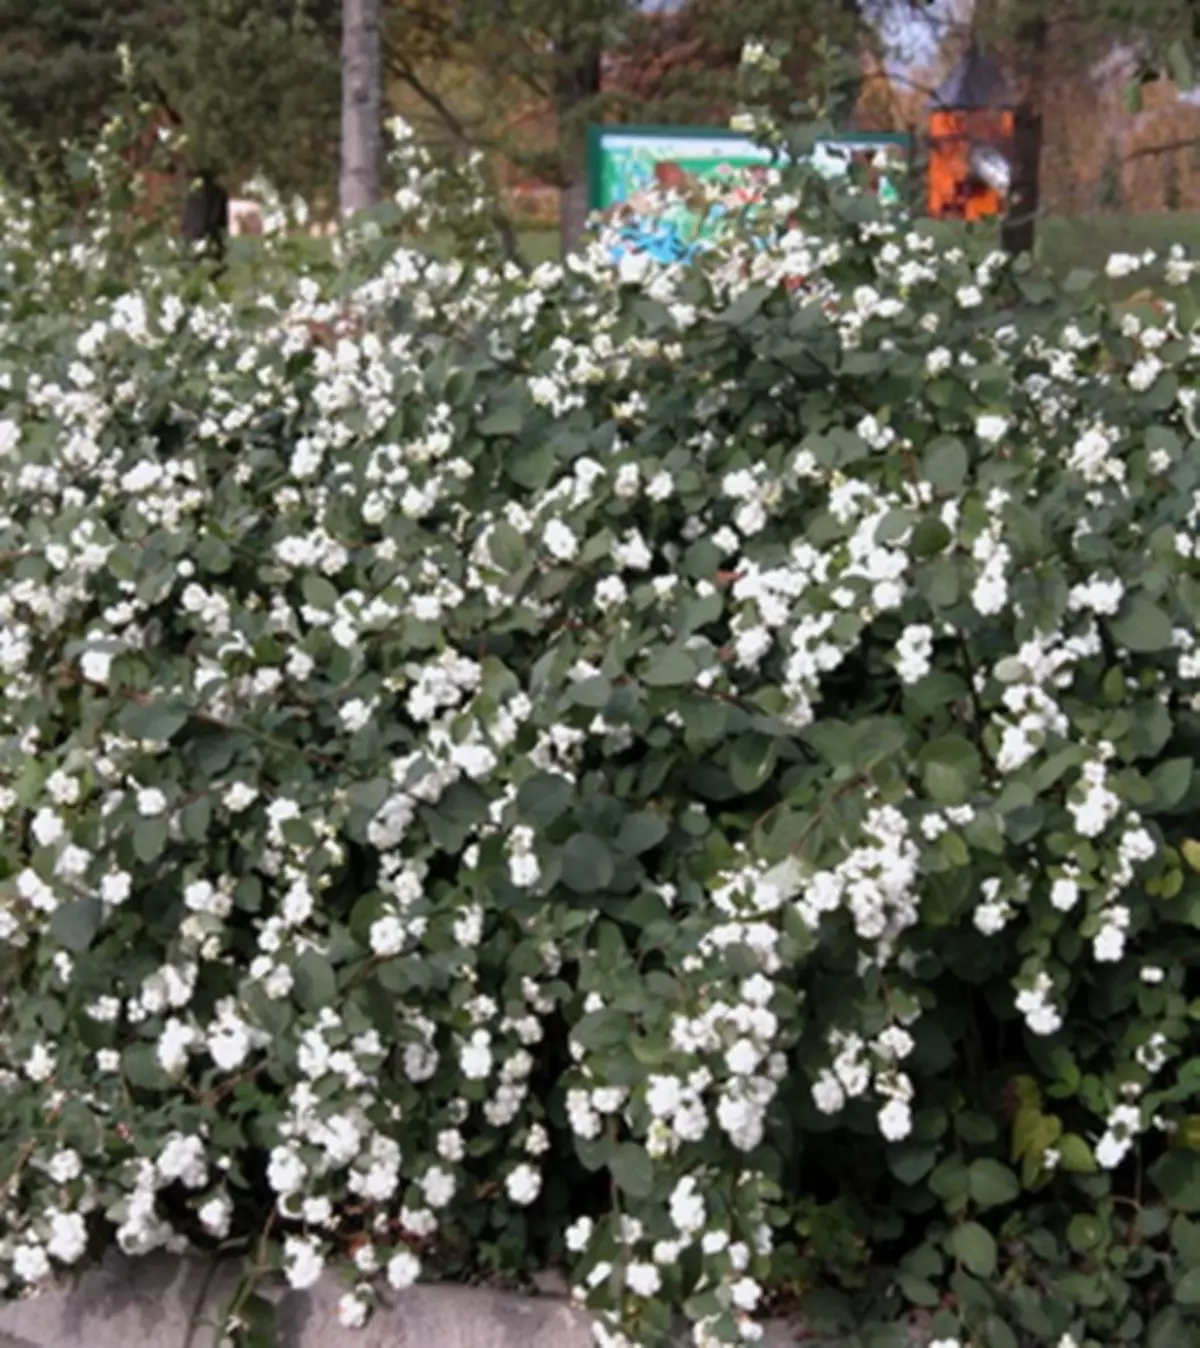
(627, 164)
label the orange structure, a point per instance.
(970, 137)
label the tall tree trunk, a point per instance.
(1018, 232)
(362, 111)
(205, 218)
(576, 90)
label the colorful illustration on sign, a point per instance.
(632, 169)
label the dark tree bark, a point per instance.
(206, 213)
(576, 91)
(1019, 229)
(1018, 232)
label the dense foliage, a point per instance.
(253, 83)
(685, 772)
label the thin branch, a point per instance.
(457, 128)
(1166, 147)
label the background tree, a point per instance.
(521, 79)
(362, 113)
(252, 83)
(59, 71)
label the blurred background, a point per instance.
(256, 87)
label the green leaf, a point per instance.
(319, 593)
(1179, 63)
(74, 924)
(929, 538)
(1177, 1177)
(751, 761)
(1084, 1232)
(506, 547)
(918, 1291)
(544, 797)
(315, 981)
(997, 1333)
(910, 1163)
(1141, 626)
(1171, 781)
(946, 464)
(1152, 1221)
(1191, 853)
(150, 838)
(587, 864)
(603, 1029)
(950, 1181)
(975, 1248)
(195, 818)
(673, 668)
(1169, 1329)
(504, 420)
(140, 1067)
(991, 1184)
(950, 769)
(640, 832)
(160, 721)
(1075, 1156)
(633, 1170)
(747, 304)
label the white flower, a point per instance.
(115, 888)
(643, 1280)
(352, 1310)
(991, 428)
(1064, 894)
(150, 802)
(388, 936)
(238, 797)
(579, 1234)
(47, 828)
(827, 1093)
(403, 1270)
(29, 1263)
(475, 1057)
(895, 1120)
(286, 1172)
(523, 1184)
(64, 1166)
(687, 1207)
(303, 1262)
(1120, 265)
(67, 1241)
(215, 1215)
(438, 1186)
(746, 1294)
(356, 715)
(96, 666)
(559, 541)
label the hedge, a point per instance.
(685, 773)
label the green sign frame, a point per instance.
(620, 158)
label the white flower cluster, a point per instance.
(327, 689)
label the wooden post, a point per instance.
(1019, 230)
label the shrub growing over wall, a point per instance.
(685, 772)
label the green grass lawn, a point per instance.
(1087, 241)
(1063, 242)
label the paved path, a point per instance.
(164, 1302)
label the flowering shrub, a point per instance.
(684, 771)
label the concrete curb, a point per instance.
(165, 1302)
